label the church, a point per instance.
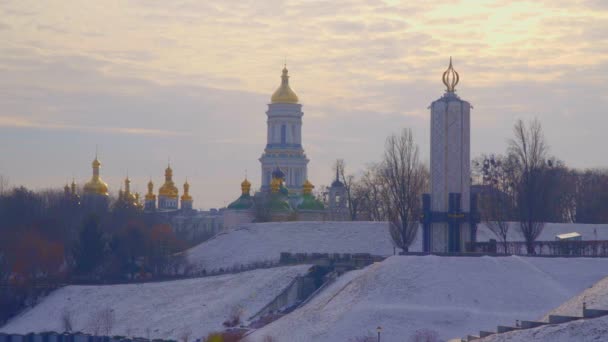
(285, 193)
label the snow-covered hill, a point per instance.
(596, 297)
(587, 330)
(159, 310)
(453, 296)
(261, 242)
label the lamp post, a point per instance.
(379, 330)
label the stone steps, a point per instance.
(553, 319)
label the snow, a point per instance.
(588, 232)
(586, 330)
(453, 296)
(260, 242)
(596, 297)
(162, 309)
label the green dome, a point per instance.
(309, 202)
(242, 203)
(278, 202)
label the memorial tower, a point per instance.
(449, 212)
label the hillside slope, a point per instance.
(588, 330)
(259, 242)
(453, 296)
(159, 310)
(595, 296)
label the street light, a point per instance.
(379, 330)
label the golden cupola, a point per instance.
(284, 94)
(73, 187)
(186, 196)
(245, 187)
(128, 196)
(96, 185)
(307, 187)
(168, 189)
(150, 196)
(275, 185)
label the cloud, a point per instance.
(191, 80)
(19, 122)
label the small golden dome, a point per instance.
(284, 94)
(96, 185)
(307, 187)
(150, 196)
(245, 187)
(186, 196)
(168, 189)
(275, 185)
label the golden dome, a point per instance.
(186, 196)
(150, 196)
(245, 187)
(128, 196)
(168, 189)
(275, 185)
(307, 187)
(96, 185)
(284, 94)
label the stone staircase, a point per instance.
(553, 319)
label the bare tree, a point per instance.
(374, 194)
(496, 200)
(529, 151)
(101, 322)
(405, 178)
(353, 193)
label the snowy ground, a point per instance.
(588, 231)
(261, 242)
(159, 310)
(588, 330)
(596, 297)
(454, 296)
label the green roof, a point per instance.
(310, 202)
(278, 202)
(242, 203)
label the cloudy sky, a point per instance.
(148, 80)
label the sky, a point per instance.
(148, 81)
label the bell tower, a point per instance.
(284, 139)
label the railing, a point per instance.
(597, 248)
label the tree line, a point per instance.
(47, 238)
(521, 188)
